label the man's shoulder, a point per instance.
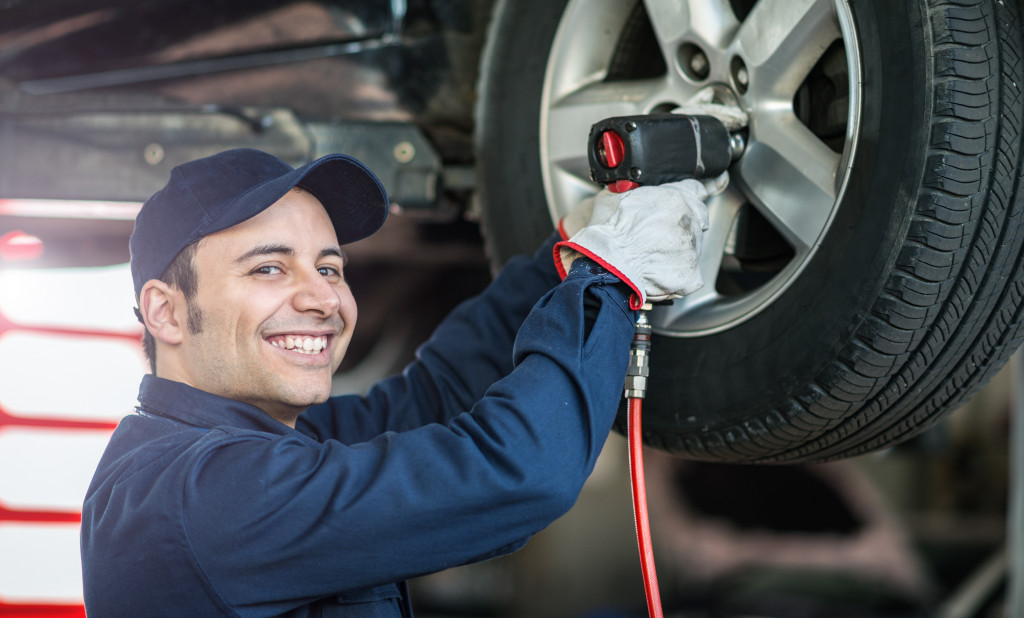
(141, 442)
(147, 438)
(160, 457)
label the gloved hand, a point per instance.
(581, 214)
(649, 237)
(577, 218)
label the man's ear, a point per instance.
(158, 303)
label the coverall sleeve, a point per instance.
(470, 350)
(274, 523)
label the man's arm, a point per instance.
(320, 519)
(470, 350)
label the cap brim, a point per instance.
(353, 197)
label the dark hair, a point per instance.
(180, 274)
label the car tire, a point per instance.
(903, 306)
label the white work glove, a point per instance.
(579, 217)
(649, 237)
(581, 214)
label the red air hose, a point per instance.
(640, 512)
(643, 527)
(636, 388)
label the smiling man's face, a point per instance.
(277, 315)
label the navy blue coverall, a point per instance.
(204, 506)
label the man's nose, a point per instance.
(314, 293)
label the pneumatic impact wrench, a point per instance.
(624, 153)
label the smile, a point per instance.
(299, 343)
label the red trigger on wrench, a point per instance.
(612, 149)
(611, 153)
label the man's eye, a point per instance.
(329, 271)
(267, 270)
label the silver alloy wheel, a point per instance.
(785, 189)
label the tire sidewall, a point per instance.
(514, 213)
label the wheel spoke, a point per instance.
(721, 215)
(783, 39)
(583, 60)
(789, 175)
(722, 212)
(708, 21)
(569, 120)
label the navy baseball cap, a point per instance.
(214, 193)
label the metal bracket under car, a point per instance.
(120, 152)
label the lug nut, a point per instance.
(741, 77)
(699, 64)
(693, 61)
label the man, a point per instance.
(239, 489)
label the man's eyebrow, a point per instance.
(273, 249)
(335, 251)
(262, 250)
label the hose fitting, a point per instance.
(639, 356)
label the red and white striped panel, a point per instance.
(70, 365)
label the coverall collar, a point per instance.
(182, 403)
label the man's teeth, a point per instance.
(305, 345)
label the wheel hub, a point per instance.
(765, 66)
